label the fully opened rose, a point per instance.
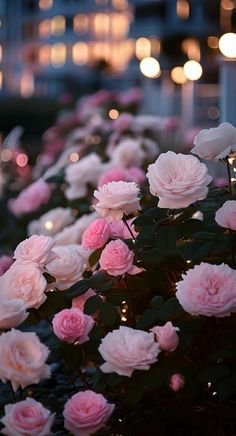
(208, 290)
(117, 259)
(67, 267)
(226, 215)
(36, 249)
(12, 313)
(178, 180)
(215, 143)
(127, 349)
(72, 325)
(97, 234)
(117, 199)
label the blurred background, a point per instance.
(52, 52)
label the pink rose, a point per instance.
(166, 336)
(117, 259)
(86, 412)
(72, 325)
(128, 153)
(5, 263)
(97, 234)
(79, 302)
(176, 382)
(215, 143)
(25, 282)
(119, 229)
(208, 290)
(31, 198)
(135, 174)
(27, 418)
(123, 122)
(36, 249)
(178, 180)
(114, 175)
(67, 267)
(12, 313)
(127, 349)
(22, 359)
(116, 199)
(226, 215)
(73, 234)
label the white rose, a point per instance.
(128, 153)
(215, 143)
(12, 313)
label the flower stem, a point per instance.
(229, 175)
(129, 228)
(131, 304)
(83, 379)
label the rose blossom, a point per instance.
(114, 175)
(51, 222)
(178, 180)
(22, 359)
(208, 290)
(117, 259)
(86, 412)
(226, 215)
(166, 336)
(176, 382)
(128, 153)
(220, 182)
(67, 267)
(73, 234)
(31, 198)
(27, 418)
(5, 263)
(215, 143)
(127, 349)
(116, 199)
(24, 281)
(135, 174)
(119, 229)
(71, 325)
(97, 234)
(12, 313)
(79, 302)
(37, 249)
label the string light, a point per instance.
(48, 225)
(150, 67)
(113, 114)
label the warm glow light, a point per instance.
(150, 67)
(178, 76)
(22, 160)
(1, 79)
(123, 318)
(74, 157)
(213, 41)
(58, 54)
(0, 53)
(113, 114)
(27, 84)
(182, 9)
(119, 25)
(193, 70)
(81, 23)
(120, 4)
(120, 54)
(155, 46)
(45, 28)
(48, 225)
(101, 24)
(58, 25)
(228, 5)
(191, 47)
(101, 50)
(80, 53)
(227, 45)
(45, 55)
(142, 48)
(45, 4)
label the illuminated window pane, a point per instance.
(45, 28)
(183, 9)
(81, 23)
(119, 25)
(58, 54)
(101, 25)
(45, 4)
(45, 55)
(156, 46)
(191, 48)
(1, 79)
(120, 4)
(27, 84)
(58, 25)
(143, 48)
(80, 53)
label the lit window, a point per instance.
(27, 84)
(182, 9)
(101, 50)
(58, 25)
(191, 48)
(81, 23)
(101, 25)
(58, 54)
(45, 55)
(120, 4)
(45, 28)
(143, 48)
(1, 79)
(119, 25)
(121, 53)
(80, 53)
(45, 4)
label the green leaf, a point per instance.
(94, 257)
(166, 239)
(169, 309)
(78, 288)
(157, 302)
(92, 304)
(148, 319)
(101, 281)
(55, 302)
(72, 356)
(108, 314)
(198, 250)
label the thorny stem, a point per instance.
(229, 175)
(129, 228)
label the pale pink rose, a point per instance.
(166, 336)
(27, 418)
(117, 199)
(176, 382)
(127, 349)
(113, 175)
(67, 267)
(97, 234)
(208, 290)
(215, 143)
(80, 174)
(12, 313)
(86, 412)
(31, 198)
(123, 122)
(72, 325)
(136, 175)
(226, 215)
(220, 182)
(128, 153)
(22, 359)
(79, 302)
(117, 259)
(178, 180)
(120, 230)
(51, 222)
(36, 249)
(25, 282)
(5, 263)
(73, 234)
